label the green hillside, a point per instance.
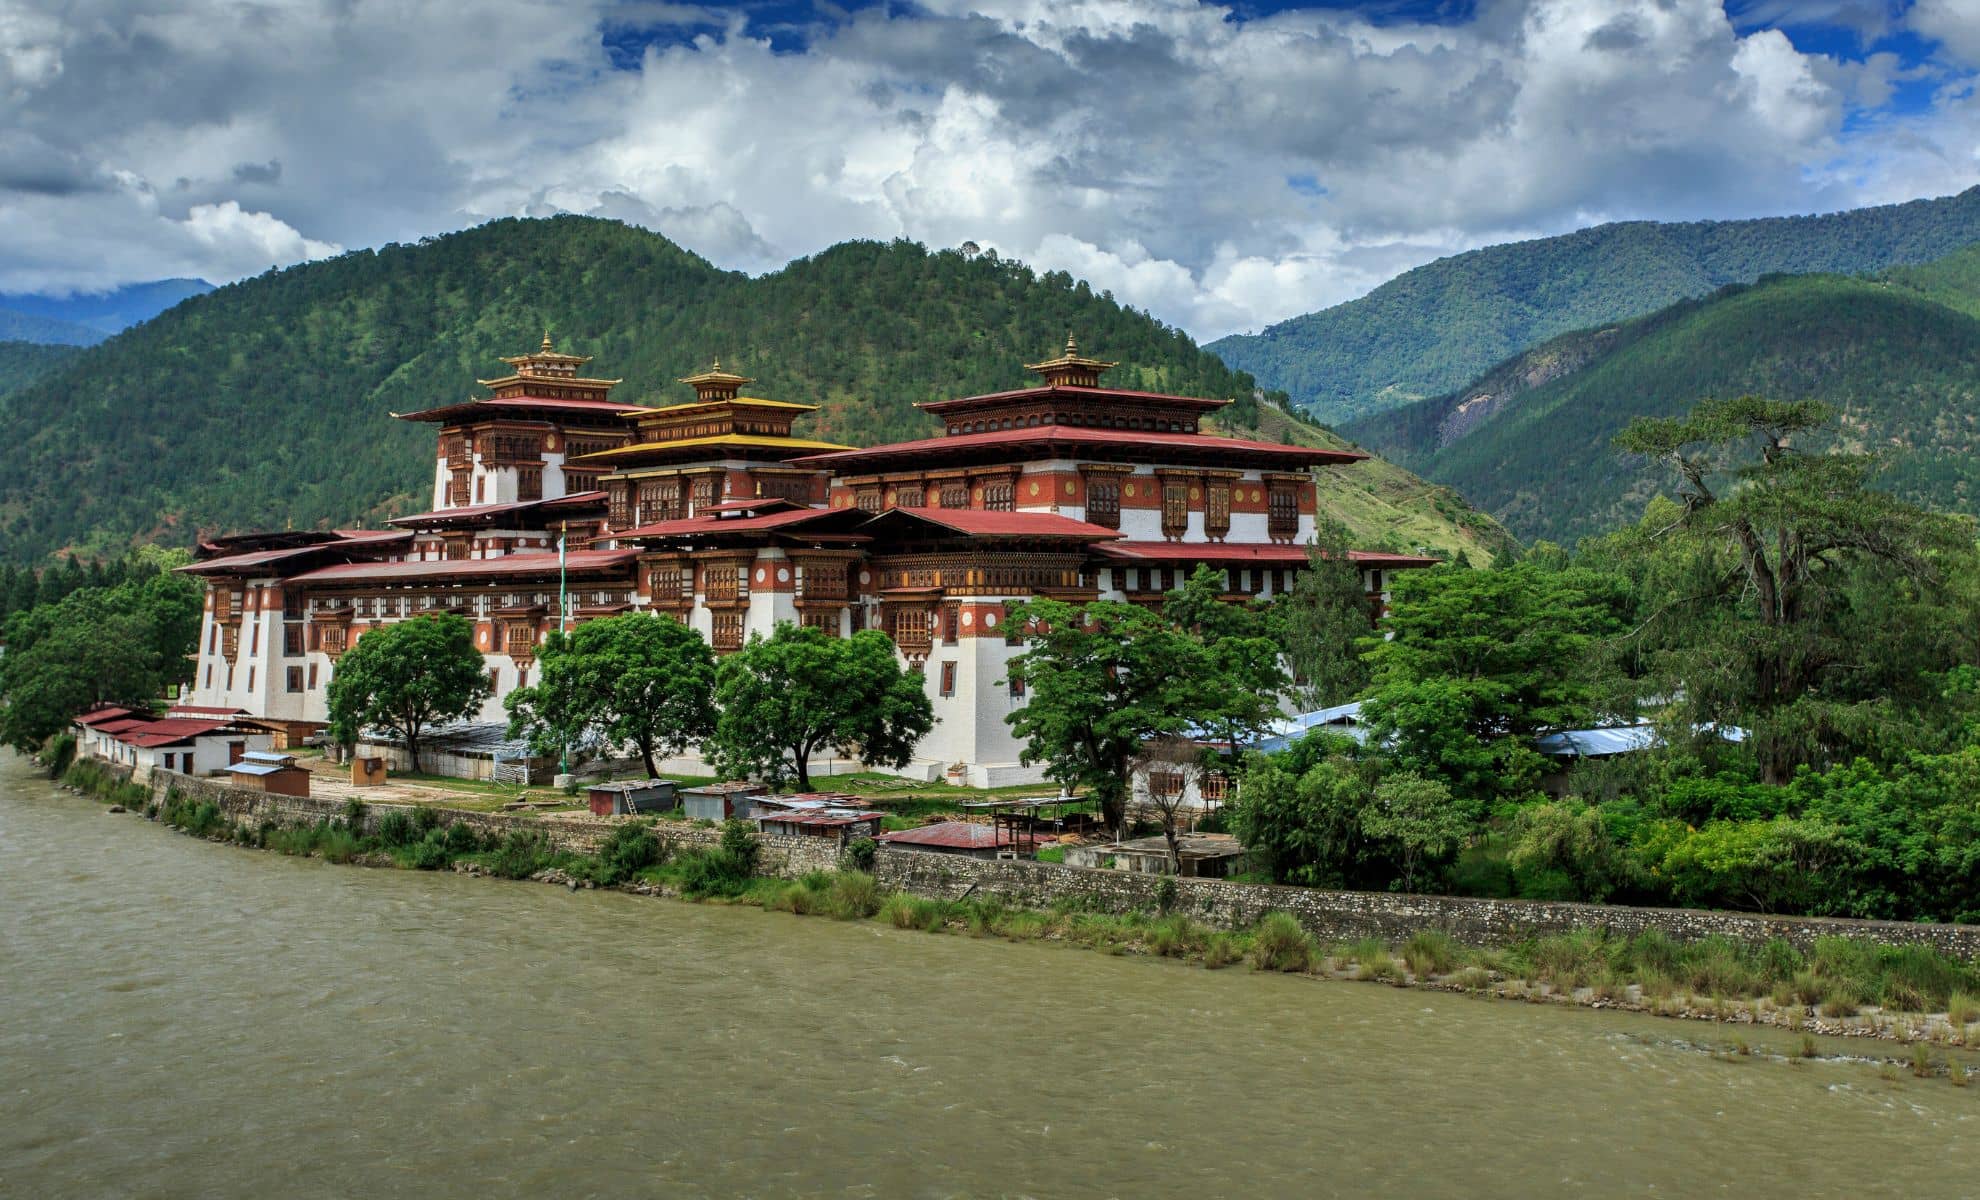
(1430, 330)
(263, 404)
(1898, 356)
(21, 363)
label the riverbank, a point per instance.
(1911, 995)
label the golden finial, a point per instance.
(1072, 347)
(546, 341)
(718, 363)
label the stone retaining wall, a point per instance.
(1342, 916)
(784, 857)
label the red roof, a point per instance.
(955, 835)
(701, 524)
(831, 820)
(98, 716)
(506, 564)
(489, 510)
(263, 558)
(204, 710)
(1278, 554)
(1075, 436)
(976, 522)
(169, 731)
(759, 504)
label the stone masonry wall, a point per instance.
(1342, 916)
(783, 857)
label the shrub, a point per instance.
(740, 844)
(425, 819)
(631, 849)
(802, 897)
(395, 828)
(461, 838)
(1716, 967)
(860, 854)
(854, 896)
(58, 752)
(354, 813)
(430, 852)
(337, 844)
(1430, 952)
(1175, 937)
(1280, 943)
(1962, 1009)
(1568, 960)
(522, 854)
(1222, 950)
(1165, 894)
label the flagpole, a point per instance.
(564, 620)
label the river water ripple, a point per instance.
(186, 1019)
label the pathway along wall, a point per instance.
(1342, 916)
(783, 857)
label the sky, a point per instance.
(1220, 165)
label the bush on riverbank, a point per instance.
(98, 779)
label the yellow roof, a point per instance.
(720, 439)
(747, 401)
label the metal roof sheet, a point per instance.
(955, 835)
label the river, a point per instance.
(185, 1019)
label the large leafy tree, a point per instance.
(1100, 680)
(637, 678)
(784, 698)
(1325, 620)
(1478, 662)
(120, 644)
(407, 677)
(1239, 651)
(1787, 596)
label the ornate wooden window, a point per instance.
(230, 640)
(529, 483)
(868, 499)
(701, 492)
(1282, 512)
(577, 482)
(292, 640)
(1103, 501)
(948, 679)
(671, 583)
(618, 500)
(1217, 509)
(660, 500)
(727, 631)
(459, 486)
(951, 623)
(722, 581)
(457, 546)
(826, 619)
(955, 494)
(223, 604)
(459, 453)
(1175, 508)
(910, 495)
(821, 581)
(997, 497)
(909, 629)
(516, 637)
(335, 639)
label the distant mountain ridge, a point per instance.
(85, 319)
(1433, 329)
(1896, 354)
(265, 404)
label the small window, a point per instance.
(948, 679)
(1017, 688)
(295, 679)
(312, 677)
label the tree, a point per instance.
(1302, 809)
(1790, 596)
(1100, 680)
(635, 678)
(1240, 653)
(1172, 766)
(1419, 817)
(406, 677)
(784, 698)
(1325, 620)
(1478, 662)
(97, 645)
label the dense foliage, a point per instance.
(407, 677)
(1799, 654)
(637, 679)
(785, 698)
(1431, 329)
(92, 643)
(1898, 354)
(22, 362)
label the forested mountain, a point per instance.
(21, 363)
(1433, 329)
(87, 318)
(264, 403)
(1898, 355)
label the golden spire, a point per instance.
(1070, 369)
(716, 384)
(546, 341)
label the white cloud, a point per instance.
(1954, 24)
(1220, 173)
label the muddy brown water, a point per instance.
(185, 1019)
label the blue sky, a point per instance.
(1221, 165)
